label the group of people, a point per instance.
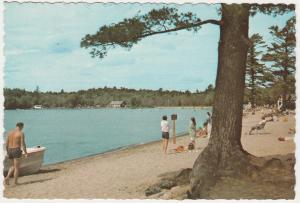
(278, 106)
(203, 132)
(15, 142)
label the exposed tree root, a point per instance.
(210, 168)
(270, 177)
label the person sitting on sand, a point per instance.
(285, 138)
(165, 132)
(192, 130)
(259, 126)
(14, 143)
(203, 131)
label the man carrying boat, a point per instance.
(14, 143)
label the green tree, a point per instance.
(209, 88)
(135, 102)
(209, 98)
(160, 91)
(281, 53)
(25, 102)
(37, 95)
(256, 73)
(10, 103)
(74, 100)
(224, 153)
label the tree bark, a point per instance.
(285, 86)
(285, 75)
(252, 89)
(224, 154)
(252, 79)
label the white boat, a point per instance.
(30, 164)
(37, 107)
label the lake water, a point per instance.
(73, 133)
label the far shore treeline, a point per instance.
(101, 97)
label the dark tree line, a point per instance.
(101, 97)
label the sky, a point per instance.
(42, 48)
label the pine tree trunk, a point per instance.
(224, 154)
(252, 79)
(284, 95)
(252, 89)
(285, 86)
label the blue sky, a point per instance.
(42, 48)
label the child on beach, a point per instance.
(192, 130)
(165, 132)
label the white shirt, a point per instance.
(164, 126)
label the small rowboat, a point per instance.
(30, 164)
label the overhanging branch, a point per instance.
(129, 31)
(215, 22)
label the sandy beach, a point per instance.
(125, 174)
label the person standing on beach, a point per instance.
(279, 103)
(209, 124)
(165, 132)
(192, 130)
(14, 143)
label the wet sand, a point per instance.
(125, 174)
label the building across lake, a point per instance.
(117, 104)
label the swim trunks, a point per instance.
(165, 135)
(14, 153)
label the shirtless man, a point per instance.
(14, 143)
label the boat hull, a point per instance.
(30, 164)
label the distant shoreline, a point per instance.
(103, 97)
(159, 107)
(184, 107)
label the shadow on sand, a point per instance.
(265, 133)
(41, 171)
(35, 181)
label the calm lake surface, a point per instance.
(74, 133)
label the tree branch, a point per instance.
(215, 22)
(129, 31)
